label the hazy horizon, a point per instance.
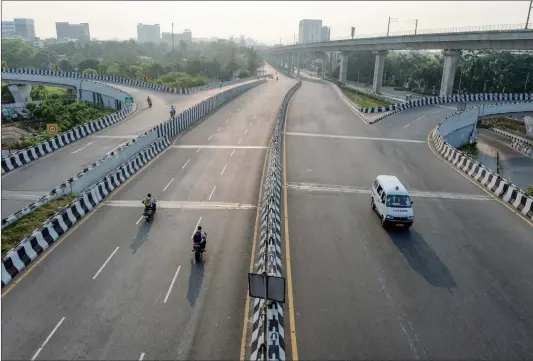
(263, 21)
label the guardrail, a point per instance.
(126, 81)
(26, 251)
(30, 154)
(457, 130)
(521, 144)
(270, 249)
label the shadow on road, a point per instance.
(142, 235)
(196, 277)
(422, 258)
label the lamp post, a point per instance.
(529, 13)
(391, 20)
(415, 21)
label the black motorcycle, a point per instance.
(149, 103)
(148, 213)
(198, 251)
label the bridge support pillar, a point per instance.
(448, 71)
(378, 70)
(528, 121)
(291, 63)
(21, 93)
(344, 67)
(298, 64)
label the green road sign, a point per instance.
(128, 99)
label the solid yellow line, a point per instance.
(26, 271)
(492, 195)
(252, 258)
(292, 325)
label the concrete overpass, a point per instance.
(451, 43)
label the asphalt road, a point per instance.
(150, 298)
(457, 285)
(515, 166)
(23, 186)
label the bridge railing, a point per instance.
(467, 29)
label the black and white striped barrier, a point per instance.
(497, 185)
(522, 147)
(125, 81)
(270, 249)
(22, 255)
(28, 155)
(426, 101)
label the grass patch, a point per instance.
(14, 233)
(529, 190)
(365, 101)
(506, 124)
(470, 150)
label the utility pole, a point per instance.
(529, 13)
(416, 25)
(391, 20)
(527, 80)
(172, 38)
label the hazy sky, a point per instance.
(265, 21)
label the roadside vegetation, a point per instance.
(529, 190)
(16, 232)
(506, 124)
(471, 150)
(365, 100)
(59, 106)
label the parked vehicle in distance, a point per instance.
(391, 202)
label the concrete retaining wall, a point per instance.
(453, 129)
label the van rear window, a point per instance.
(398, 201)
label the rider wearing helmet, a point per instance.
(148, 201)
(200, 237)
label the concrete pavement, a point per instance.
(41, 176)
(455, 286)
(128, 289)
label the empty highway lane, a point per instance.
(457, 285)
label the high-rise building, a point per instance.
(68, 31)
(8, 30)
(149, 33)
(325, 33)
(309, 31)
(25, 28)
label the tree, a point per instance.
(89, 64)
(18, 53)
(65, 66)
(90, 71)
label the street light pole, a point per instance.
(388, 24)
(529, 13)
(416, 25)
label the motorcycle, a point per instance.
(149, 103)
(172, 113)
(277, 79)
(148, 213)
(197, 249)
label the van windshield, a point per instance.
(398, 201)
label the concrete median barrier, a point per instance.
(270, 249)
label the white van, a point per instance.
(391, 201)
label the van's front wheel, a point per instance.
(372, 204)
(383, 222)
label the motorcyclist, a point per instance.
(149, 101)
(200, 237)
(149, 202)
(172, 111)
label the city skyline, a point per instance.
(218, 19)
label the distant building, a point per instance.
(325, 33)
(309, 31)
(149, 33)
(23, 29)
(66, 31)
(185, 36)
